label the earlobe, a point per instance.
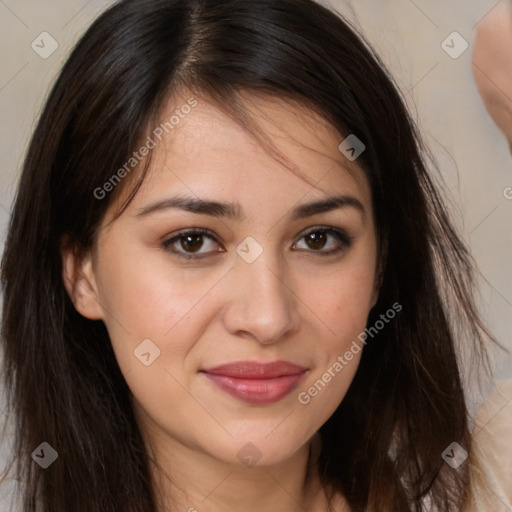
(80, 283)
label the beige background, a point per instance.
(472, 154)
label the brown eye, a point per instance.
(320, 238)
(316, 240)
(191, 243)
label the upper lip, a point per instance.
(256, 370)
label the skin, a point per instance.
(290, 304)
(492, 65)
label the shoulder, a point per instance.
(491, 462)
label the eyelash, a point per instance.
(344, 239)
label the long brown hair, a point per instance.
(382, 447)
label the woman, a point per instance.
(230, 281)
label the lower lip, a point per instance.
(257, 391)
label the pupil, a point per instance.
(317, 239)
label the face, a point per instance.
(228, 320)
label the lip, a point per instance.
(257, 383)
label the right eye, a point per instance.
(188, 242)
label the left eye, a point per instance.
(192, 241)
(317, 238)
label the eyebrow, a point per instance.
(234, 210)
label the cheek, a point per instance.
(152, 324)
(344, 301)
(323, 392)
(142, 299)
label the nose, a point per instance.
(261, 304)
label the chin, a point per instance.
(260, 451)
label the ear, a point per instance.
(80, 282)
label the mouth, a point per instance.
(257, 383)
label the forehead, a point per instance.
(207, 152)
